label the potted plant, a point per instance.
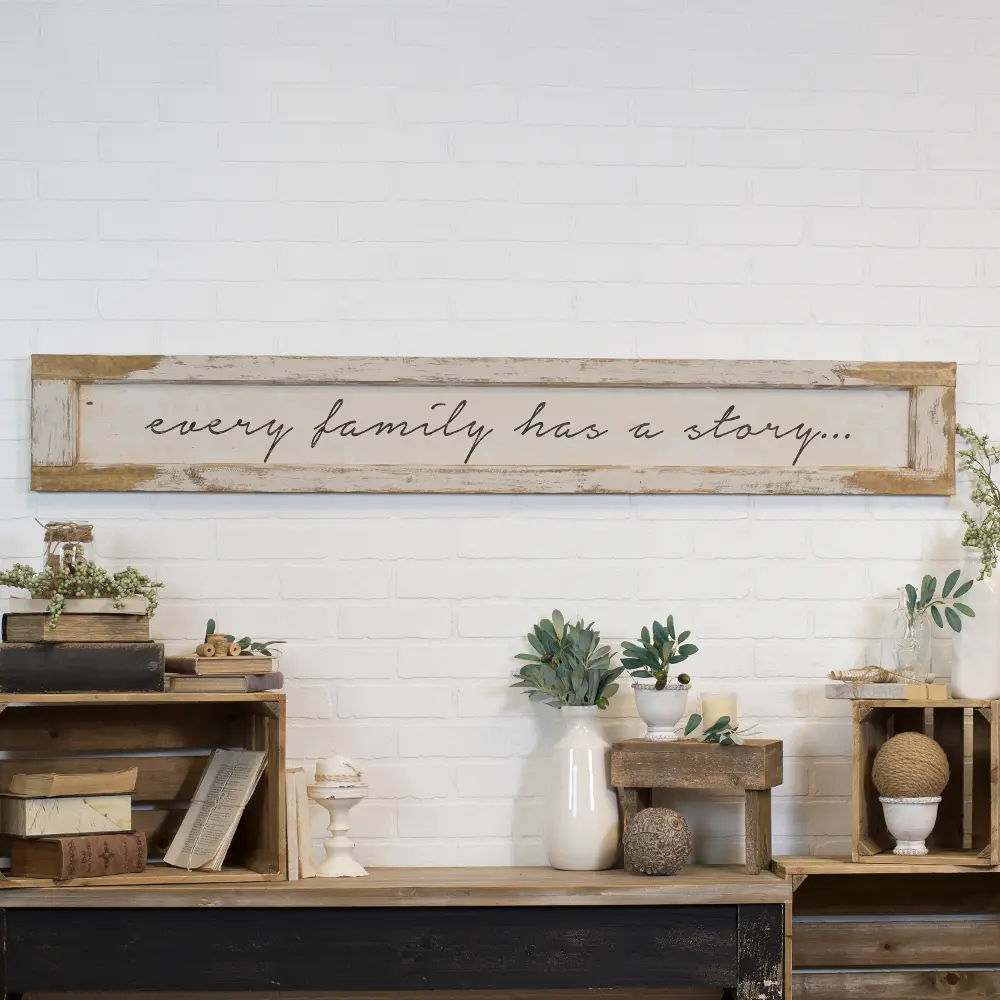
(570, 670)
(659, 701)
(85, 581)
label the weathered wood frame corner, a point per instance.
(57, 379)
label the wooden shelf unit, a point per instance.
(167, 737)
(964, 729)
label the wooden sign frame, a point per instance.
(57, 381)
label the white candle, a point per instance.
(715, 706)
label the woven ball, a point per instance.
(657, 842)
(910, 766)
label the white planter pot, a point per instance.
(910, 821)
(660, 710)
(976, 669)
(581, 813)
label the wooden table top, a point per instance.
(717, 884)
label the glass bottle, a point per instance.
(912, 640)
(68, 544)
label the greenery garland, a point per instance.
(977, 460)
(82, 581)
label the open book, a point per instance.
(211, 820)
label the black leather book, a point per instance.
(50, 667)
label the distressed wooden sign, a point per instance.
(490, 425)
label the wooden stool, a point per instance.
(639, 766)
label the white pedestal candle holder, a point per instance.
(338, 801)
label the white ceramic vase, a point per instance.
(910, 821)
(660, 710)
(976, 669)
(581, 813)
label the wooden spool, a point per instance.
(204, 649)
(235, 649)
(220, 642)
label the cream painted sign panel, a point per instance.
(490, 425)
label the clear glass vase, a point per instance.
(911, 649)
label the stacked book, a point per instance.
(65, 826)
(93, 647)
(235, 674)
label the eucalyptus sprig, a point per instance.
(569, 666)
(81, 581)
(949, 600)
(659, 651)
(978, 460)
(719, 732)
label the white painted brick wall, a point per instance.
(728, 178)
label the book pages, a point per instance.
(306, 867)
(211, 820)
(291, 825)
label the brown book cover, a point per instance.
(220, 666)
(78, 857)
(236, 684)
(76, 628)
(50, 785)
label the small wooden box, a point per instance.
(167, 737)
(967, 731)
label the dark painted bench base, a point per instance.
(737, 949)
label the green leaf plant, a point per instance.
(567, 665)
(923, 600)
(719, 732)
(84, 580)
(977, 459)
(656, 652)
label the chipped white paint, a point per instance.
(494, 371)
(53, 422)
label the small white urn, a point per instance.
(910, 821)
(338, 788)
(660, 710)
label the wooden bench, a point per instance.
(407, 929)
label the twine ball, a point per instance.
(910, 766)
(657, 842)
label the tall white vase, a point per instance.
(581, 815)
(976, 669)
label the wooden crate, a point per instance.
(168, 738)
(967, 731)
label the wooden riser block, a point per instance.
(638, 766)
